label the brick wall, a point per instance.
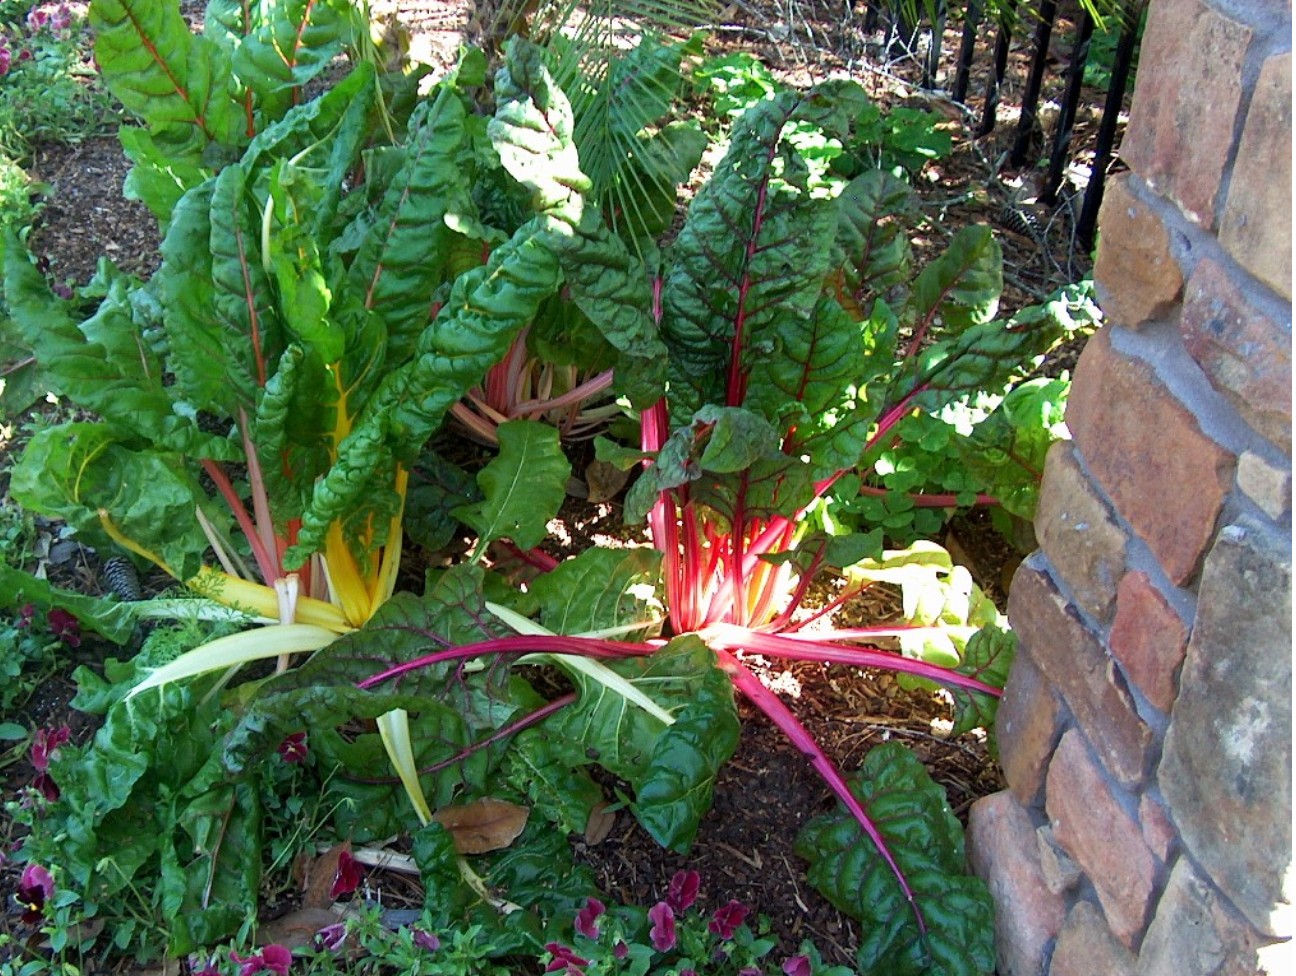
(1145, 732)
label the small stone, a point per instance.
(1061, 874)
(1266, 484)
(1256, 228)
(1148, 454)
(1244, 350)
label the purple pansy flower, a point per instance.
(274, 958)
(426, 940)
(663, 929)
(797, 966)
(293, 749)
(65, 627)
(35, 888)
(587, 918)
(727, 918)
(683, 890)
(349, 874)
(565, 959)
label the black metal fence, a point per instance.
(1006, 20)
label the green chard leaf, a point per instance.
(987, 656)
(161, 71)
(403, 258)
(593, 591)
(523, 486)
(751, 258)
(926, 840)
(288, 44)
(962, 286)
(875, 247)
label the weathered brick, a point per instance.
(1089, 819)
(1186, 100)
(1137, 276)
(1148, 638)
(1268, 485)
(1027, 727)
(1226, 770)
(1149, 455)
(1245, 353)
(1086, 946)
(1002, 852)
(1078, 533)
(1159, 833)
(1256, 228)
(1072, 657)
(1194, 932)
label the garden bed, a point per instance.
(767, 791)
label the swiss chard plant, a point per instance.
(781, 383)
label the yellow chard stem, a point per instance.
(263, 601)
(384, 583)
(117, 536)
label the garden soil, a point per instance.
(744, 848)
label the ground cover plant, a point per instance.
(760, 332)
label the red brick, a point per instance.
(1028, 726)
(1078, 534)
(1002, 852)
(1148, 638)
(1245, 352)
(1090, 821)
(1186, 101)
(1256, 228)
(1137, 276)
(1086, 946)
(1071, 657)
(1149, 455)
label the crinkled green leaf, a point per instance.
(557, 790)
(675, 793)
(73, 471)
(926, 840)
(161, 71)
(594, 590)
(523, 486)
(404, 256)
(287, 44)
(963, 285)
(752, 254)
(874, 240)
(987, 656)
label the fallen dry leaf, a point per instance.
(314, 876)
(483, 825)
(605, 480)
(599, 824)
(296, 929)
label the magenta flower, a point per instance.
(35, 888)
(45, 746)
(727, 918)
(620, 950)
(28, 609)
(210, 969)
(565, 959)
(663, 929)
(293, 749)
(65, 627)
(749, 971)
(587, 918)
(349, 874)
(274, 958)
(426, 940)
(331, 937)
(683, 890)
(61, 19)
(797, 966)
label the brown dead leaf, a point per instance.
(483, 825)
(296, 929)
(599, 824)
(605, 480)
(315, 875)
